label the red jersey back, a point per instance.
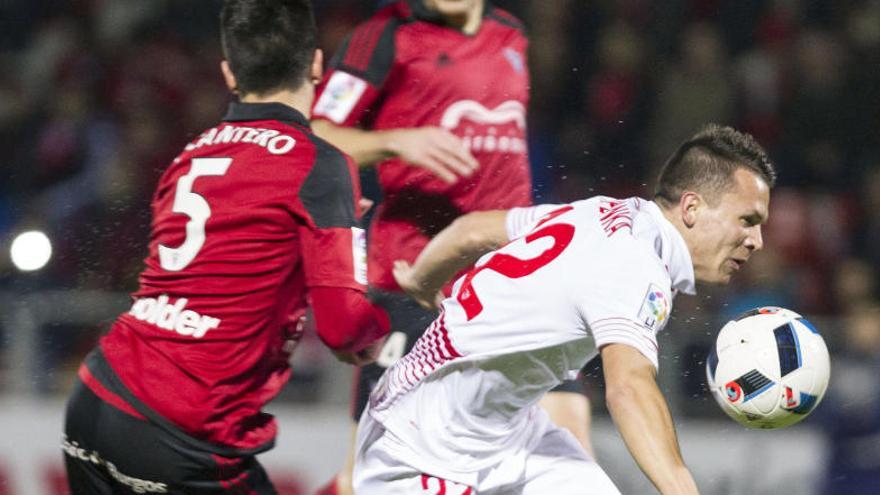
(404, 68)
(243, 222)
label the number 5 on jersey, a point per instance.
(196, 208)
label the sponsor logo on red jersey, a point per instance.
(173, 317)
(496, 129)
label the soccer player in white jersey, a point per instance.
(458, 414)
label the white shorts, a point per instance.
(556, 464)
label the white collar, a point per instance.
(673, 251)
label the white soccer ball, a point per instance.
(769, 368)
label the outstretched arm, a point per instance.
(453, 249)
(350, 325)
(432, 148)
(643, 418)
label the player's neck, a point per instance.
(474, 19)
(468, 22)
(675, 219)
(301, 99)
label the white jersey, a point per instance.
(574, 277)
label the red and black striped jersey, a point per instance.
(250, 216)
(404, 68)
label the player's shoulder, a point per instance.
(506, 19)
(391, 16)
(326, 152)
(612, 214)
(610, 225)
(368, 52)
(616, 264)
(330, 182)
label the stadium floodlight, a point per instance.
(30, 251)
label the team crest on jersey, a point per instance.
(340, 96)
(655, 308)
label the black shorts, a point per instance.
(108, 451)
(408, 322)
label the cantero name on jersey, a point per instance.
(271, 139)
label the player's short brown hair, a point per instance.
(705, 163)
(269, 44)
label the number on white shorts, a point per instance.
(443, 487)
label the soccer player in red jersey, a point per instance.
(434, 94)
(255, 218)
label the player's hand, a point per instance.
(364, 356)
(365, 204)
(427, 297)
(434, 149)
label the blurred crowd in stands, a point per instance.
(97, 96)
(102, 94)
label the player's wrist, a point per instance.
(391, 142)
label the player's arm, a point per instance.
(333, 252)
(432, 148)
(453, 249)
(346, 321)
(460, 245)
(365, 146)
(353, 87)
(642, 416)
(350, 325)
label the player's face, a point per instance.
(727, 234)
(452, 8)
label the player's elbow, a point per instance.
(629, 390)
(341, 341)
(345, 320)
(619, 396)
(348, 334)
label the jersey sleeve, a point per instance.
(628, 300)
(356, 74)
(521, 220)
(345, 319)
(332, 241)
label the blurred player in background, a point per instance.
(458, 413)
(434, 94)
(253, 219)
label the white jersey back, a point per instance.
(574, 277)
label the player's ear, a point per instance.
(316, 71)
(228, 76)
(689, 207)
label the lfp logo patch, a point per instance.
(339, 98)
(655, 308)
(359, 254)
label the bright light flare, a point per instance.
(30, 251)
